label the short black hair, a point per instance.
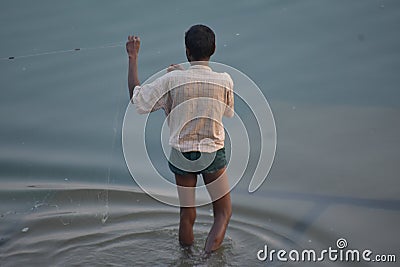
(200, 40)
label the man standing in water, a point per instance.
(194, 100)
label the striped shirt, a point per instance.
(194, 101)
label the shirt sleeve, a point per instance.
(229, 98)
(150, 97)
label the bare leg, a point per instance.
(222, 208)
(186, 192)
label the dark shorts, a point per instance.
(196, 162)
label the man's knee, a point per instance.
(223, 211)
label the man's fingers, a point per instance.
(174, 67)
(133, 38)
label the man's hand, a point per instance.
(132, 46)
(174, 67)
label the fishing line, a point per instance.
(114, 139)
(55, 52)
(121, 107)
(104, 196)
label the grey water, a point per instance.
(330, 73)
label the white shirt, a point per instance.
(194, 101)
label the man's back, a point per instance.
(198, 98)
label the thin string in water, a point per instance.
(11, 58)
(115, 131)
(104, 195)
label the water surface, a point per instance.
(329, 70)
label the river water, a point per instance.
(329, 70)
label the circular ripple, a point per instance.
(68, 230)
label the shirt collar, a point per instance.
(198, 66)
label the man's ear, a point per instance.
(188, 55)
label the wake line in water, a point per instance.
(140, 231)
(112, 45)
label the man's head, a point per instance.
(200, 43)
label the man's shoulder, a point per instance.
(224, 76)
(187, 76)
(175, 74)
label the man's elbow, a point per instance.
(229, 114)
(141, 110)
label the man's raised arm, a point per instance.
(132, 48)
